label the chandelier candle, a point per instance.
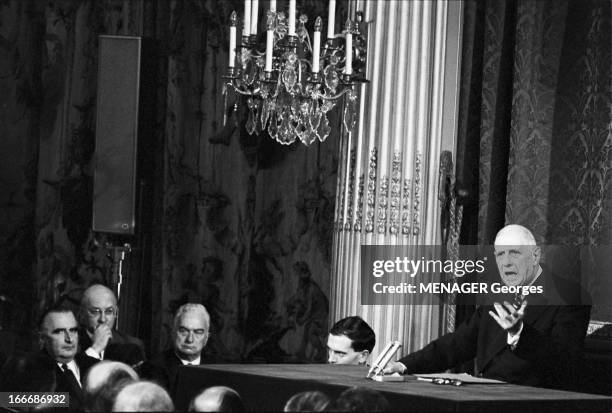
(331, 19)
(348, 68)
(232, 40)
(272, 5)
(269, 45)
(316, 46)
(254, 15)
(291, 17)
(246, 28)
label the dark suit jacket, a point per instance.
(63, 385)
(163, 368)
(122, 347)
(38, 372)
(547, 353)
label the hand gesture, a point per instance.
(393, 367)
(508, 317)
(101, 336)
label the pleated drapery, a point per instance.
(388, 176)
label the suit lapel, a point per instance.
(492, 339)
(173, 365)
(537, 303)
(533, 314)
(71, 386)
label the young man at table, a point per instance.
(350, 341)
(536, 344)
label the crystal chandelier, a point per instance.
(292, 85)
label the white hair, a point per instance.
(143, 396)
(99, 374)
(198, 309)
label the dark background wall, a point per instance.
(223, 215)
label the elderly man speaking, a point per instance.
(532, 345)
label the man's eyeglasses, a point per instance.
(184, 332)
(97, 312)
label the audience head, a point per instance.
(217, 399)
(308, 401)
(350, 341)
(142, 396)
(361, 399)
(190, 330)
(107, 372)
(517, 255)
(59, 334)
(98, 306)
(104, 380)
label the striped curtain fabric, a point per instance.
(390, 162)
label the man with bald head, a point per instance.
(98, 336)
(189, 336)
(533, 343)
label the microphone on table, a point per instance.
(383, 359)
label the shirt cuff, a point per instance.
(92, 353)
(513, 339)
(403, 367)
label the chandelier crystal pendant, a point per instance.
(292, 85)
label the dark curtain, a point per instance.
(535, 133)
(226, 215)
(535, 124)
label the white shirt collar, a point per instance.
(73, 367)
(195, 362)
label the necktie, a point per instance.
(70, 377)
(517, 301)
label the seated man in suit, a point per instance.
(350, 341)
(60, 339)
(189, 336)
(533, 345)
(97, 336)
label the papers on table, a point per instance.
(456, 379)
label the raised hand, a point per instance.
(101, 336)
(508, 317)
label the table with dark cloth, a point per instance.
(266, 387)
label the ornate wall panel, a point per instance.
(389, 177)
